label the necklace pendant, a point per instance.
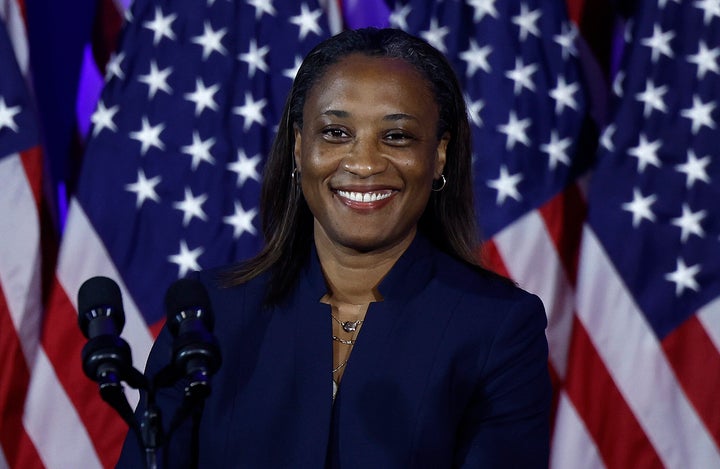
(350, 326)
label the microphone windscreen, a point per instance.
(184, 295)
(100, 293)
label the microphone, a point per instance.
(196, 353)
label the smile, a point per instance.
(364, 196)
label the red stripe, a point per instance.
(696, 362)
(491, 259)
(32, 163)
(619, 437)
(63, 343)
(106, 32)
(564, 215)
(575, 8)
(14, 378)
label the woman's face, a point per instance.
(368, 152)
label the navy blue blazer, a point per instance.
(449, 370)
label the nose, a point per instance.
(364, 159)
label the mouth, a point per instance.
(365, 197)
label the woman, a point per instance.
(369, 277)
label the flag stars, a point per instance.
(114, 67)
(199, 150)
(516, 131)
(564, 95)
(473, 110)
(144, 188)
(527, 21)
(557, 150)
(684, 277)
(521, 76)
(506, 185)
(148, 136)
(191, 207)
(689, 223)
(700, 114)
(652, 98)
(255, 58)
(292, 71)
(640, 207)
(156, 80)
(241, 221)
(251, 111)
(646, 153)
(436, 35)
(186, 260)
(476, 58)
(566, 40)
(7, 115)
(245, 168)
(161, 26)
(210, 40)
(659, 42)
(102, 118)
(307, 21)
(606, 139)
(695, 169)
(203, 96)
(706, 60)
(710, 8)
(483, 8)
(398, 18)
(262, 7)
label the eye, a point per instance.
(398, 138)
(334, 134)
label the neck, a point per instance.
(353, 276)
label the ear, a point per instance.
(297, 149)
(441, 154)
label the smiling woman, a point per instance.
(365, 334)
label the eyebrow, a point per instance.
(389, 117)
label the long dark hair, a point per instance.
(287, 223)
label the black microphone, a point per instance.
(196, 354)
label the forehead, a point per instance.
(380, 80)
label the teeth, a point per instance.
(364, 196)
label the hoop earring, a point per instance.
(442, 186)
(295, 176)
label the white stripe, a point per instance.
(531, 259)
(20, 255)
(572, 446)
(10, 13)
(709, 317)
(635, 359)
(3, 462)
(334, 16)
(53, 424)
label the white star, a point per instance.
(662, 3)
(684, 277)
(564, 95)
(606, 139)
(102, 118)
(566, 40)
(291, 72)
(398, 18)
(515, 131)
(476, 57)
(557, 150)
(245, 168)
(694, 169)
(199, 150)
(617, 85)
(7, 115)
(251, 111)
(156, 80)
(186, 259)
(700, 114)
(659, 42)
(640, 207)
(144, 188)
(255, 58)
(706, 60)
(210, 40)
(203, 96)
(241, 221)
(161, 26)
(652, 98)
(506, 185)
(114, 66)
(473, 110)
(711, 9)
(646, 153)
(191, 206)
(436, 35)
(148, 136)
(307, 21)
(527, 21)
(689, 222)
(483, 8)
(521, 75)
(262, 7)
